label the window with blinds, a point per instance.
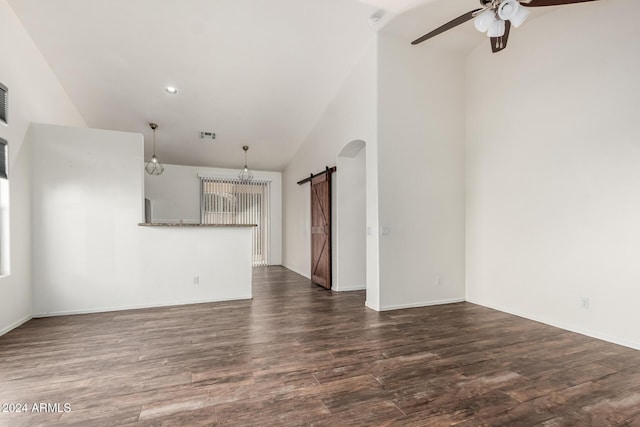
(4, 159)
(4, 208)
(4, 103)
(231, 201)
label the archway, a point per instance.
(349, 211)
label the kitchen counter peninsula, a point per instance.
(189, 262)
(190, 224)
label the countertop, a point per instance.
(190, 224)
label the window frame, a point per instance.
(4, 208)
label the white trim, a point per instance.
(297, 272)
(355, 288)
(136, 307)
(366, 304)
(422, 304)
(591, 334)
(16, 325)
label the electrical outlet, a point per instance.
(584, 303)
(196, 280)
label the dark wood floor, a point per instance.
(300, 355)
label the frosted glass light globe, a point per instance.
(484, 20)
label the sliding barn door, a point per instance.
(321, 229)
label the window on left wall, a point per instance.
(4, 208)
(4, 104)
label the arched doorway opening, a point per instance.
(349, 211)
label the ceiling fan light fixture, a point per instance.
(521, 15)
(508, 9)
(497, 28)
(484, 20)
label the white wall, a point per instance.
(175, 195)
(421, 172)
(34, 95)
(350, 116)
(351, 214)
(553, 183)
(90, 255)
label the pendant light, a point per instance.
(245, 172)
(153, 166)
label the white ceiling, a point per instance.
(430, 16)
(397, 6)
(255, 72)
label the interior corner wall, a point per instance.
(553, 183)
(350, 116)
(175, 196)
(421, 172)
(35, 94)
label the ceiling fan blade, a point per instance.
(540, 3)
(500, 43)
(449, 25)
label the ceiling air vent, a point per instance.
(4, 103)
(207, 135)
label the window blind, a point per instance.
(4, 103)
(232, 201)
(4, 159)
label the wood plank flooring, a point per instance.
(300, 355)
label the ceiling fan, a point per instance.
(496, 18)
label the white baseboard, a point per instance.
(422, 304)
(134, 307)
(15, 325)
(358, 288)
(297, 271)
(369, 306)
(588, 333)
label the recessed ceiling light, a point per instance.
(171, 90)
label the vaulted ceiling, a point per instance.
(255, 72)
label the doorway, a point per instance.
(350, 231)
(321, 226)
